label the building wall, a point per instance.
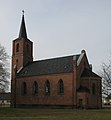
(41, 99)
(21, 57)
(70, 96)
(94, 100)
(90, 100)
(83, 64)
(84, 96)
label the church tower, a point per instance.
(22, 49)
(22, 54)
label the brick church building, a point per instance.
(63, 82)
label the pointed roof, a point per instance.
(89, 73)
(23, 33)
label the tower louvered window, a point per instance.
(17, 47)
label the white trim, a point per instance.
(80, 58)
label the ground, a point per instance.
(54, 114)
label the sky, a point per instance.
(60, 27)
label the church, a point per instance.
(62, 82)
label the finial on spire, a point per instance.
(23, 12)
(23, 33)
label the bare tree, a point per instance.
(4, 70)
(106, 78)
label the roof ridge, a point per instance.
(56, 58)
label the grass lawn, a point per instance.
(54, 114)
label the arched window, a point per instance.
(47, 87)
(24, 88)
(17, 47)
(93, 89)
(35, 88)
(61, 86)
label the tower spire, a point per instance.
(23, 12)
(22, 32)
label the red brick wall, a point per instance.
(23, 56)
(19, 59)
(54, 98)
(94, 99)
(84, 64)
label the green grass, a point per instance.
(54, 114)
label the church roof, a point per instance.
(83, 89)
(49, 66)
(22, 32)
(89, 73)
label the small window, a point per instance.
(47, 87)
(24, 88)
(93, 89)
(17, 47)
(61, 87)
(35, 88)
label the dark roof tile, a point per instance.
(50, 66)
(89, 73)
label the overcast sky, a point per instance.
(60, 27)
